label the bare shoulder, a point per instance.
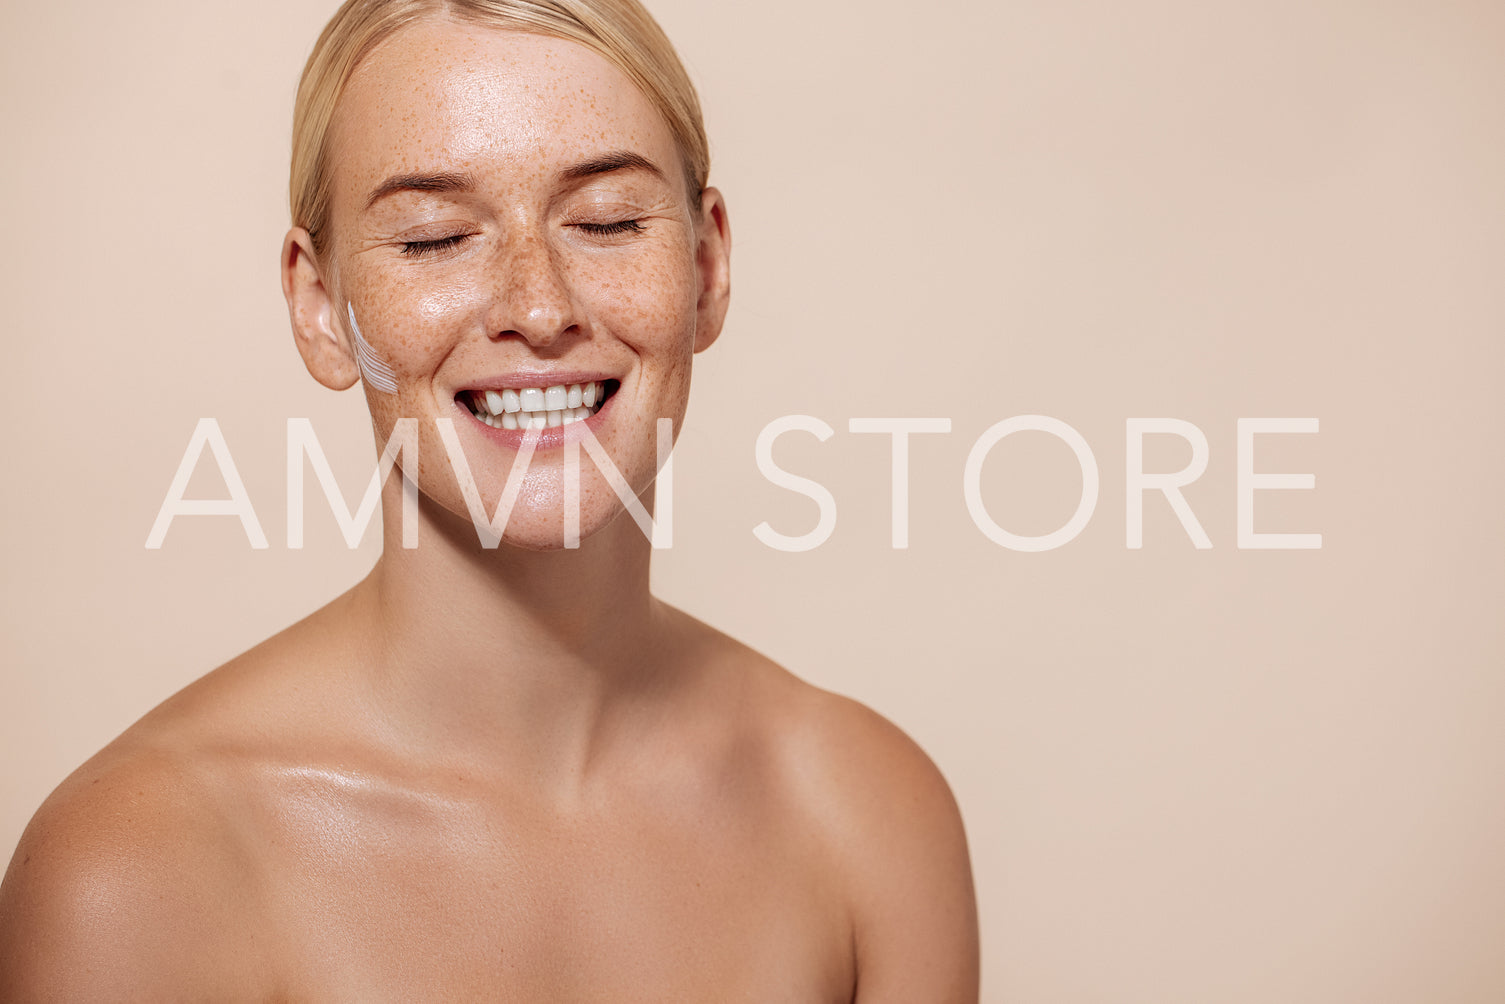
(127, 875)
(137, 868)
(891, 828)
(899, 842)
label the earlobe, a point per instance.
(713, 261)
(310, 307)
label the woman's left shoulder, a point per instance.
(862, 774)
(873, 813)
(894, 839)
(841, 759)
(855, 762)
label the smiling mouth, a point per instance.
(538, 407)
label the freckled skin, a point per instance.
(505, 774)
(528, 286)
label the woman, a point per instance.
(500, 771)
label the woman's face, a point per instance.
(509, 214)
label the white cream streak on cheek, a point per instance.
(374, 370)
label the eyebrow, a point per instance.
(449, 181)
(616, 160)
(442, 181)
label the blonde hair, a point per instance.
(619, 30)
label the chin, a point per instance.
(536, 522)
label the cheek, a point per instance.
(412, 329)
(647, 303)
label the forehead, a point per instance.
(441, 95)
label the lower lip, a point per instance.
(549, 438)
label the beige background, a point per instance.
(1188, 776)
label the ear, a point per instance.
(310, 306)
(713, 260)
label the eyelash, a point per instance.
(613, 229)
(425, 249)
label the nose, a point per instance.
(533, 299)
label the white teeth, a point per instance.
(537, 407)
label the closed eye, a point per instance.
(425, 249)
(611, 229)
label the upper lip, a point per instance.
(519, 380)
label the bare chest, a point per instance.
(651, 903)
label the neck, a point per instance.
(527, 658)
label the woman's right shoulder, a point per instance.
(131, 869)
(140, 864)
